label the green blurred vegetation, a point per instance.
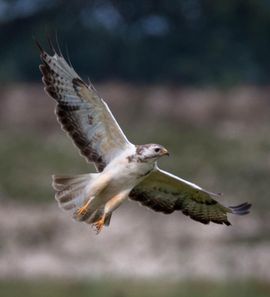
(200, 154)
(190, 42)
(128, 288)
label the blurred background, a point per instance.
(192, 75)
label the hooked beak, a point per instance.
(164, 152)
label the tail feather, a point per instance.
(62, 182)
(91, 218)
(71, 192)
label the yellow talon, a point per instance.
(99, 224)
(83, 210)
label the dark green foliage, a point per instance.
(192, 41)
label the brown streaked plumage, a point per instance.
(80, 109)
(124, 170)
(166, 193)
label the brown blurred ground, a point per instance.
(25, 105)
(218, 138)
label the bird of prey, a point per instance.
(124, 170)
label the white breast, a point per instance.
(126, 173)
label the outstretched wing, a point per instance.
(166, 193)
(81, 112)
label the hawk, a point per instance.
(124, 170)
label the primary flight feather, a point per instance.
(124, 170)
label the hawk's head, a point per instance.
(151, 152)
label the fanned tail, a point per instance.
(72, 192)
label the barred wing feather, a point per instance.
(164, 192)
(81, 112)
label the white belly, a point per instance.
(123, 176)
(129, 174)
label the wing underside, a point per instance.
(166, 193)
(81, 112)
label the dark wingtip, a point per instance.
(58, 45)
(50, 43)
(38, 45)
(241, 209)
(227, 223)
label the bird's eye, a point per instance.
(157, 150)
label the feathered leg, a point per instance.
(98, 225)
(110, 206)
(82, 211)
(115, 202)
(103, 215)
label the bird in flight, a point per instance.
(124, 170)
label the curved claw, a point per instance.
(98, 225)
